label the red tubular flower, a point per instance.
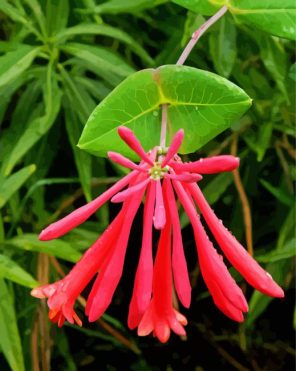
(159, 173)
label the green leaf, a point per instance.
(38, 14)
(102, 59)
(200, 102)
(292, 72)
(40, 125)
(279, 194)
(272, 16)
(10, 185)
(13, 63)
(58, 248)
(82, 160)
(126, 6)
(288, 251)
(275, 60)
(215, 188)
(12, 271)
(10, 341)
(265, 134)
(18, 15)
(204, 7)
(223, 46)
(105, 30)
(57, 13)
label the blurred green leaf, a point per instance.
(13, 63)
(277, 193)
(11, 184)
(105, 30)
(101, 59)
(274, 59)
(288, 251)
(201, 103)
(83, 160)
(10, 341)
(12, 271)
(57, 13)
(223, 46)
(58, 248)
(292, 72)
(126, 6)
(216, 187)
(40, 125)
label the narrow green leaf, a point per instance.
(277, 193)
(216, 187)
(38, 14)
(18, 15)
(40, 125)
(58, 248)
(10, 185)
(259, 302)
(12, 271)
(126, 6)
(292, 72)
(200, 102)
(288, 251)
(275, 60)
(102, 59)
(264, 138)
(57, 13)
(10, 341)
(223, 45)
(105, 30)
(83, 160)
(13, 63)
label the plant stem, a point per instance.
(164, 124)
(194, 39)
(198, 33)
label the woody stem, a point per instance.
(194, 39)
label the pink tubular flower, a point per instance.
(159, 176)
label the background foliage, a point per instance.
(58, 60)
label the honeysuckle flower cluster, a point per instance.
(159, 177)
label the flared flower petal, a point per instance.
(160, 316)
(130, 139)
(174, 147)
(123, 195)
(123, 161)
(234, 251)
(81, 214)
(179, 265)
(143, 281)
(225, 292)
(111, 271)
(184, 177)
(159, 213)
(210, 165)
